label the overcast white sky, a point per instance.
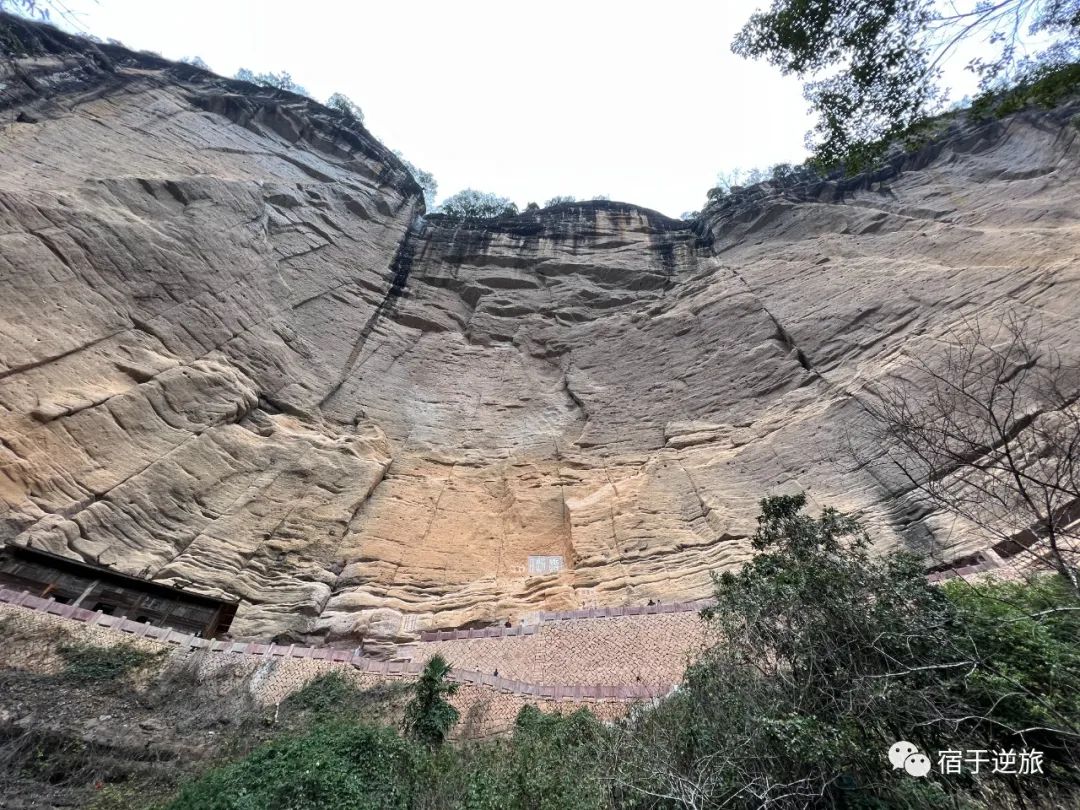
(643, 102)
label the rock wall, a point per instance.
(235, 356)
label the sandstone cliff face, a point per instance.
(235, 356)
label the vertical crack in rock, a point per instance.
(400, 267)
(782, 335)
(706, 510)
(576, 400)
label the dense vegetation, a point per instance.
(825, 656)
(86, 662)
(472, 204)
(279, 81)
(871, 70)
(1044, 85)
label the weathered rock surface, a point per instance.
(234, 355)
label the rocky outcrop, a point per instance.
(235, 356)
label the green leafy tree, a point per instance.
(1027, 683)
(558, 761)
(426, 180)
(345, 105)
(281, 81)
(728, 182)
(429, 717)
(472, 204)
(741, 178)
(825, 656)
(779, 174)
(871, 68)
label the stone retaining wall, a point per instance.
(530, 624)
(561, 691)
(484, 711)
(649, 650)
(599, 655)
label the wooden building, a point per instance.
(96, 587)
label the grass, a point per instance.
(88, 663)
(334, 694)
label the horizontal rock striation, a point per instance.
(235, 355)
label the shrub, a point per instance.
(558, 761)
(85, 662)
(279, 81)
(825, 656)
(1027, 679)
(195, 61)
(425, 179)
(333, 767)
(552, 762)
(813, 670)
(326, 693)
(332, 693)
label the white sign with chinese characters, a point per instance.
(545, 564)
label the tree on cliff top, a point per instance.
(345, 105)
(871, 68)
(425, 179)
(282, 81)
(472, 204)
